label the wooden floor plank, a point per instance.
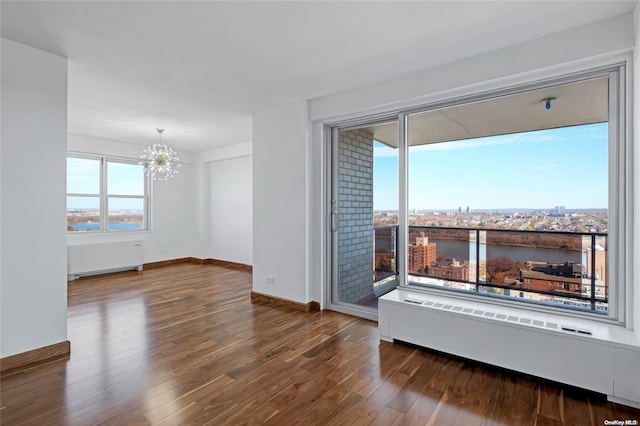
(184, 345)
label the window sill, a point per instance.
(118, 234)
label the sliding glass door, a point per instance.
(363, 216)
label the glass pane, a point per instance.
(83, 176)
(126, 213)
(520, 188)
(367, 198)
(385, 208)
(83, 214)
(125, 179)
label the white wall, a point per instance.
(175, 212)
(33, 287)
(600, 38)
(636, 176)
(281, 202)
(228, 213)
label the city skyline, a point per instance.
(533, 170)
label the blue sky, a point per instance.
(83, 177)
(540, 169)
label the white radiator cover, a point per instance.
(91, 259)
(606, 361)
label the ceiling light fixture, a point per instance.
(160, 161)
(547, 103)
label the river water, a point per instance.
(460, 250)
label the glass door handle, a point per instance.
(334, 215)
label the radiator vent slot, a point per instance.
(504, 317)
(576, 330)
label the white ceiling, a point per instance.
(201, 69)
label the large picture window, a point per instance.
(517, 195)
(106, 195)
(509, 195)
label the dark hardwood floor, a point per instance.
(183, 345)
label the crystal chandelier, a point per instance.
(160, 161)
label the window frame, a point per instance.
(621, 179)
(619, 209)
(104, 195)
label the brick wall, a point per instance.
(355, 212)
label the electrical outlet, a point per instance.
(271, 280)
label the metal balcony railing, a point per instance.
(562, 268)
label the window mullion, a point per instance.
(104, 205)
(403, 191)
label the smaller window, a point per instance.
(106, 195)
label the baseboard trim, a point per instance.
(22, 361)
(198, 261)
(227, 264)
(277, 301)
(163, 263)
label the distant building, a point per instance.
(567, 269)
(451, 270)
(600, 266)
(421, 254)
(557, 211)
(468, 209)
(555, 277)
(534, 280)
